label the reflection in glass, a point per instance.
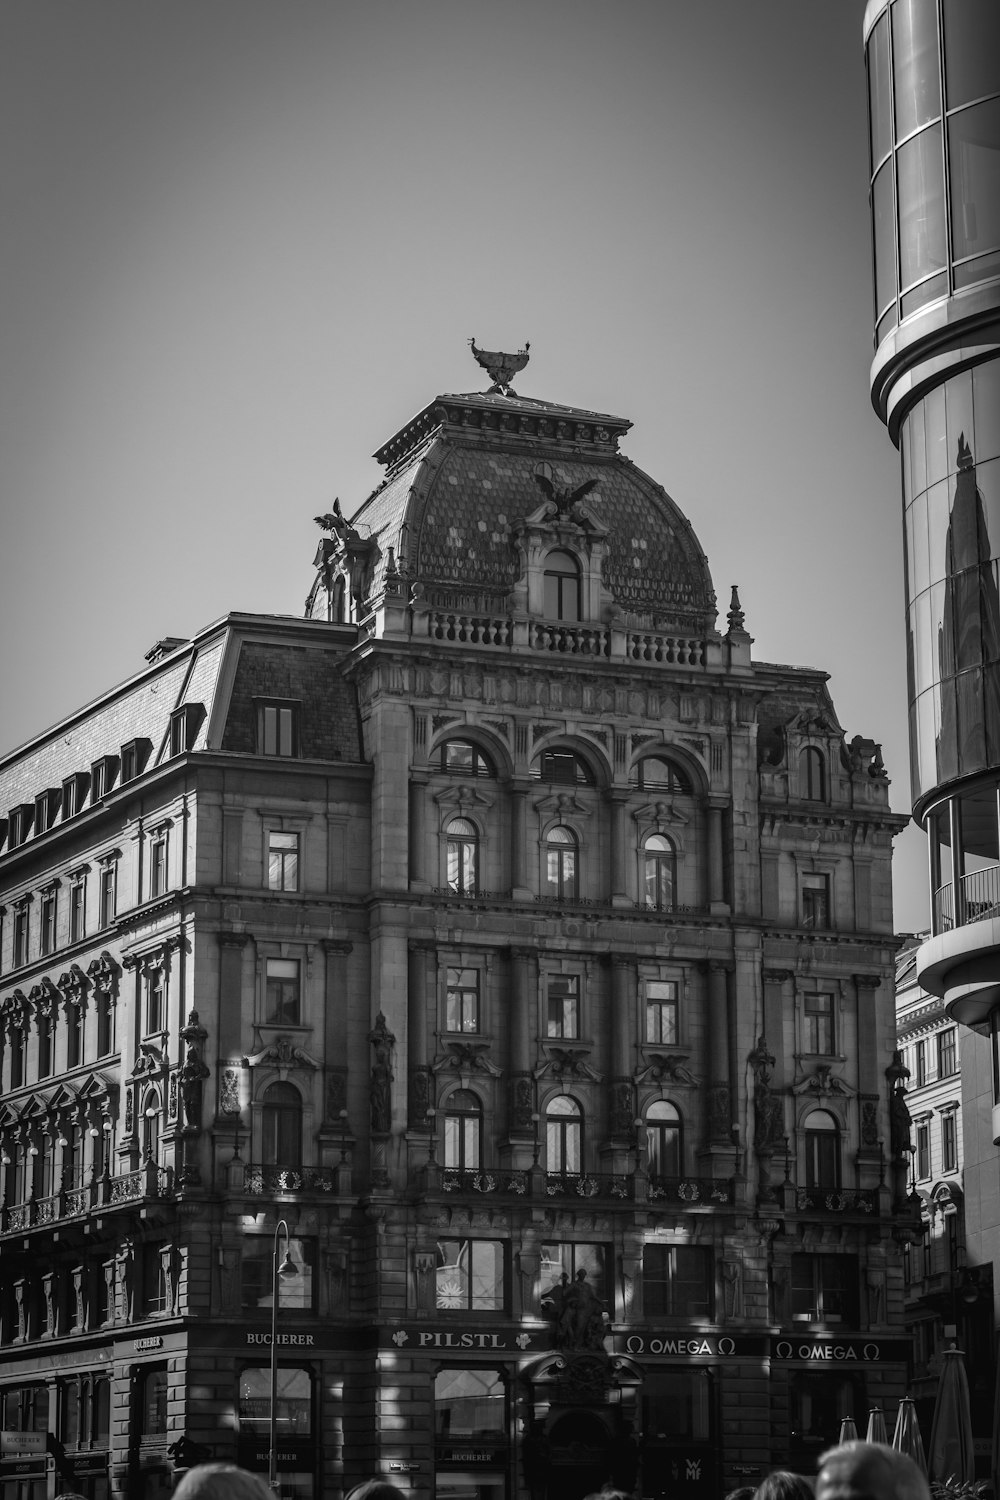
(920, 176)
(469, 1403)
(986, 406)
(292, 1407)
(972, 34)
(974, 147)
(915, 65)
(883, 221)
(470, 1275)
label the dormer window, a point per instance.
(102, 777)
(74, 794)
(19, 824)
(184, 723)
(46, 807)
(561, 599)
(134, 755)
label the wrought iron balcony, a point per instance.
(149, 1181)
(274, 1181)
(837, 1201)
(691, 1192)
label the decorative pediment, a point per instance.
(562, 805)
(663, 813)
(151, 1061)
(822, 1082)
(562, 1063)
(667, 1067)
(462, 800)
(466, 1057)
(14, 1009)
(44, 997)
(103, 971)
(282, 1053)
(72, 984)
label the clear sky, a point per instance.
(244, 240)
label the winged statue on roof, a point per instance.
(500, 367)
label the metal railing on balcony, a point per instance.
(691, 1192)
(149, 1181)
(496, 1181)
(588, 1185)
(264, 1181)
(837, 1200)
(976, 899)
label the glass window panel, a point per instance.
(972, 46)
(958, 408)
(928, 291)
(677, 1406)
(918, 455)
(292, 1408)
(920, 178)
(938, 514)
(879, 94)
(885, 324)
(469, 1403)
(470, 1275)
(986, 411)
(915, 65)
(974, 154)
(982, 268)
(917, 556)
(936, 436)
(883, 228)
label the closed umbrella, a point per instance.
(950, 1455)
(848, 1431)
(906, 1438)
(876, 1427)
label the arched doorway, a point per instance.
(579, 1456)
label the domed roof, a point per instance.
(465, 471)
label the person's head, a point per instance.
(742, 1492)
(782, 1484)
(222, 1482)
(869, 1471)
(374, 1489)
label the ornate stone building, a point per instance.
(500, 954)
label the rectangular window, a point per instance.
(921, 1064)
(47, 930)
(818, 1036)
(19, 824)
(949, 1143)
(677, 1281)
(155, 1282)
(470, 1276)
(46, 808)
(462, 1000)
(109, 892)
(78, 908)
(21, 934)
(158, 866)
(105, 1022)
(282, 992)
(277, 729)
(74, 1035)
(661, 1012)
(155, 1001)
(102, 777)
(824, 1289)
(563, 1006)
(295, 1290)
(44, 1046)
(923, 1151)
(816, 902)
(282, 861)
(16, 1039)
(947, 1053)
(74, 794)
(292, 1410)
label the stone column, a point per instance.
(716, 860)
(719, 1100)
(421, 985)
(418, 831)
(521, 1124)
(519, 838)
(619, 827)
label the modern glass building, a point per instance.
(934, 115)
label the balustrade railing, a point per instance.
(265, 1180)
(691, 1192)
(149, 1181)
(495, 1181)
(673, 650)
(588, 1185)
(565, 638)
(837, 1200)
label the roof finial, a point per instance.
(735, 618)
(501, 368)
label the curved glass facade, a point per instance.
(950, 444)
(934, 116)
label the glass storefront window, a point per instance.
(470, 1276)
(920, 177)
(879, 95)
(915, 65)
(972, 48)
(293, 1407)
(469, 1404)
(974, 157)
(257, 1270)
(677, 1406)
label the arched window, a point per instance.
(812, 774)
(463, 758)
(462, 853)
(653, 771)
(281, 1126)
(822, 1151)
(151, 1126)
(561, 600)
(562, 766)
(564, 1135)
(561, 873)
(659, 872)
(664, 1140)
(463, 1133)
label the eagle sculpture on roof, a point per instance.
(501, 368)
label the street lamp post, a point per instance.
(286, 1268)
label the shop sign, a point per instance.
(688, 1344)
(846, 1350)
(33, 1468)
(452, 1453)
(89, 1463)
(469, 1340)
(22, 1442)
(154, 1341)
(297, 1340)
(296, 1458)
